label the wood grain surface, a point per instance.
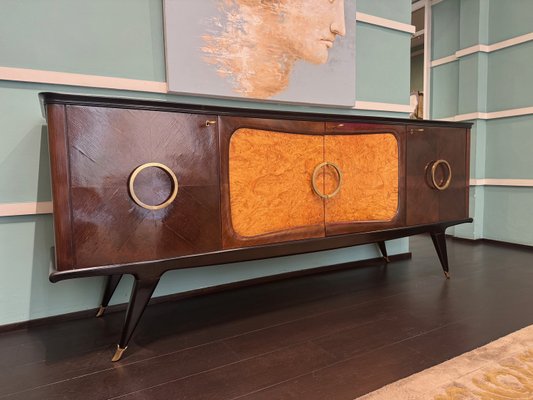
(369, 165)
(270, 181)
(425, 204)
(105, 145)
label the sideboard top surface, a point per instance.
(142, 104)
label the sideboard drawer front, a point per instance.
(111, 219)
(437, 155)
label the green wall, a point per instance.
(124, 38)
(486, 83)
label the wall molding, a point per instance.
(483, 48)
(70, 79)
(444, 60)
(375, 106)
(512, 112)
(33, 208)
(501, 182)
(387, 23)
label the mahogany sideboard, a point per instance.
(142, 187)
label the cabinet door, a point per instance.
(118, 196)
(437, 174)
(266, 169)
(370, 160)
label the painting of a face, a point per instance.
(272, 34)
(310, 27)
(257, 48)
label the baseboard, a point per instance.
(492, 241)
(509, 244)
(205, 291)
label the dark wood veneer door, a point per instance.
(105, 146)
(425, 146)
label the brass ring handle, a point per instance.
(315, 174)
(443, 185)
(167, 202)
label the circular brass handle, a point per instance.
(315, 174)
(444, 184)
(167, 202)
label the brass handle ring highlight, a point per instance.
(315, 174)
(443, 185)
(163, 167)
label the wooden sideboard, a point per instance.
(143, 187)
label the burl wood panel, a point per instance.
(105, 146)
(425, 204)
(369, 164)
(270, 181)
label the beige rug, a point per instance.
(500, 370)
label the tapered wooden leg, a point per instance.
(439, 241)
(143, 288)
(383, 249)
(111, 285)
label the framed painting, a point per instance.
(300, 51)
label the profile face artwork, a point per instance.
(276, 50)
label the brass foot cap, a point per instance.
(100, 312)
(118, 353)
(447, 274)
(387, 259)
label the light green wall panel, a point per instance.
(473, 73)
(397, 10)
(474, 23)
(468, 84)
(509, 145)
(25, 291)
(24, 165)
(508, 215)
(510, 83)
(510, 18)
(469, 23)
(382, 64)
(445, 27)
(122, 38)
(444, 90)
(473, 230)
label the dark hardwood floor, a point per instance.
(332, 336)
